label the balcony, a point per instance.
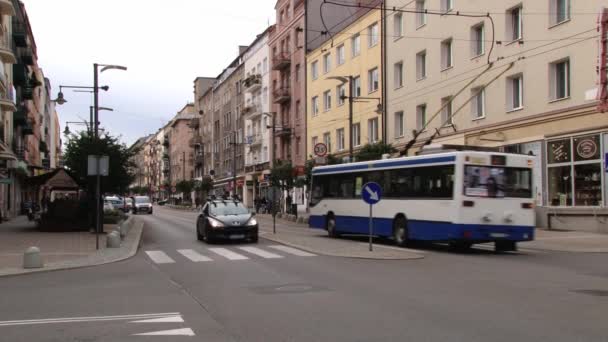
(6, 49)
(281, 61)
(283, 132)
(6, 8)
(27, 129)
(19, 33)
(166, 142)
(7, 100)
(196, 140)
(195, 123)
(253, 83)
(281, 95)
(20, 117)
(20, 75)
(26, 55)
(254, 140)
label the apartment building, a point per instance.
(532, 89)
(257, 116)
(181, 152)
(227, 130)
(348, 65)
(201, 86)
(288, 66)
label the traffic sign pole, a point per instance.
(371, 228)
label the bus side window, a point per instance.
(346, 186)
(358, 185)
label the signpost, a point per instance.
(371, 194)
(320, 150)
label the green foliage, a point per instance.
(205, 185)
(139, 190)
(281, 174)
(79, 146)
(374, 151)
(185, 187)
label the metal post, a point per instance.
(90, 121)
(234, 164)
(97, 176)
(350, 118)
(371, 228)
(274, 188)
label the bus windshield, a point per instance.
(497, 182)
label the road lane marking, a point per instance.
(168, 319)
(260, 252)
(174, 332)
(291, 250)
(160, 257)
(87, 319)
(193, 255)
(228, 254)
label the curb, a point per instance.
(128, 250)
(312, 250)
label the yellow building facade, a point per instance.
(355, 52)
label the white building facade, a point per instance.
(257, 119)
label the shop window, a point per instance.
(560, 186)
(588, 184)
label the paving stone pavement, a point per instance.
(60, 250)
(317, 241)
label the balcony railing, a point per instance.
(281, 61)
(7, 100)
(281, 95)
(195, 123)
(196, 140)
(26, 55)
(19, 33)
(254, 140)
(253, 83)
(199, 159)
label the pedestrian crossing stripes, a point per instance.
(193, 255)
(291, 250)
(221, 253)
(160, 257)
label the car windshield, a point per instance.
(142, 200)
(228, 208)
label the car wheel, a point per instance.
(199, 236)
(331, 227)
(400, 232)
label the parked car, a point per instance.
(107, 205)
(129, 204)
(142, 204)
(117, 202)
(162, 202)
(226, 219)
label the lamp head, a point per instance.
(60, 99)
(104, 88)
(67, 130)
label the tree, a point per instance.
(80, 146)
(374, 151)
(281, 174)
(203, 187)
(185, 187)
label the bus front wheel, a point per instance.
(331, 227)
(400, 233)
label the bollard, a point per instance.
(32, 258)
(113, 240)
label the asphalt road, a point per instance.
(177, 285)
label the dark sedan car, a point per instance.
(226, 219)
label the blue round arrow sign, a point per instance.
(371, 193)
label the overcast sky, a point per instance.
(165, 44)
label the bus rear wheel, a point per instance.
(331, 227)
(400, 233)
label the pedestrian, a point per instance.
(288, 203)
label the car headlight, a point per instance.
(215, 223)
(252, 222)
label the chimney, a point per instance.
(242, 49)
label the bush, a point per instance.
(113, 216)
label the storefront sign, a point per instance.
(587, 148)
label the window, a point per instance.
(314, 106)
(326, 63)
(515, 92)
(297, 72)
(372, 35)
(356, 86)
(265, 65)
(399, 129)
(420, 15)
(421, 65)
(397, 25)
(398, 74)
(478, 103)
(420, 117)
(340, 55)
(497, 182)
(514, 22)
(355, 42)
(372, 80)
(447, 5)
(560, 79)
(446, 54)
(327, 141)
(298, 110)
(327, 100)
(446, 112)
(356, 134)
(478, 45)
(314, 70)
(372, 130)
(559, 11)
(340, 139)
(340, 94)
(315, 140)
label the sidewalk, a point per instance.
(568, 241)
(317, 241)
(60, 250)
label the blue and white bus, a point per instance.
(460, 198)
